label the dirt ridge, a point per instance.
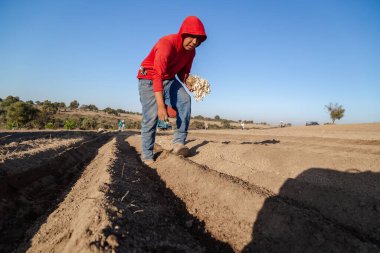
(78, 221)
(28, 195)
(224, 203)
(295, 190)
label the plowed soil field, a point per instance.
(296, 189)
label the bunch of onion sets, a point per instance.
(200, 87)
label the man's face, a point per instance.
(190, 42)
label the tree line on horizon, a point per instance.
(15, 114)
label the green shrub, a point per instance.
(41, 119)
(197, 125)
(213, 126)
(107, 125)
(88, 124)
(226, 124)
(137, 124)
(129, 124)
(70, 124)
(50, 125)
(58, 123)
(10, 125)
(336, 111)
(20, 113)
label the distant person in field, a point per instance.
(119, 125)
(161, 94)
(122, 125)
(242, 125)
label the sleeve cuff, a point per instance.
(157, 85)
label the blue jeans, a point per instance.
(176, 97)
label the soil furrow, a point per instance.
(281, 190)
(146, 215)
(248, 216)
(28, 195)
(347, 222)
(76, 223)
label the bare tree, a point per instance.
(336, 111)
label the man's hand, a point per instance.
(161, 108)
(187, 85)
(189, 88)
(162, 114)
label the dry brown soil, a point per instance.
(295, 189)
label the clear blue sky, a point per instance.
(266, 60)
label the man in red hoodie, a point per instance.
(159, 89)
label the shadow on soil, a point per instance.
(27, 198)
(147, 216)
(266, 142)
(321, 210)
(193, 150)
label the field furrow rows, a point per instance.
(92, 193)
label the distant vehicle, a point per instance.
(312, 123)
(163, 125)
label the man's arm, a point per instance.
(161, 108)
(160, 66)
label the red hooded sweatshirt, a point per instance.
(168, 57)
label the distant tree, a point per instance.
(336, 111)
(20, 113)
(49, 107)
(111, 111)
(84, 107)
(93, 108)
(30, 102)
(198, 117)
(74, 105)
(38, 102)
(62, 106)
(226, 124)
(4, 105)
(217, 117)
(121, 111)
(9, 100)
(42, 118)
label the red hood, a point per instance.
(193, 25)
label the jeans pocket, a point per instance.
(145, 85)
